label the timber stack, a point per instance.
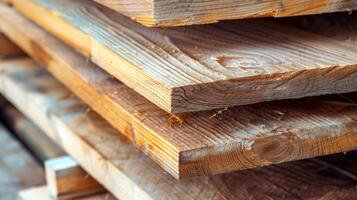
(184, 99)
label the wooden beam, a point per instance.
(33, 137)
(7, 48)
(67, 180)
(128, 174)
(18, 169)
(200, 143)
(42, 193)
(177, 13)
(202, 67)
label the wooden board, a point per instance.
(198, 143)
(18, 169)
(30, 135)
(177, 13)
(7, 48)
(128, 174)
(67, 180)
(203, 67)
(42, 193)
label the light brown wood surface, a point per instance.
(129, 174)
(198, 143)
(7, 48)
(177, 13)
(67, 180)
(202, 67)
(18, 169)
(42, 193)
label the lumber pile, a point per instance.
(127, 173)
(183, 112)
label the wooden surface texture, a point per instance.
(67, 180)
(178, 13)
(186, 69)
(129, 174)
(199, 143)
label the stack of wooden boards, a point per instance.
(171, 79)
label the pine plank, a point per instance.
(177, 13)
(67, 180)
(18, 169)
(42, 193)
(186, 69)
(128, 174)
(199, 143)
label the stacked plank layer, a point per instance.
(202, 67)
(176, 13)
(128, 174)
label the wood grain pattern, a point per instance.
(178, 13)
(197, 143)
(18, 169)
(67, 180)
(202, 67)
(128, 174)
(42, 193)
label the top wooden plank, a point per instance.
(197, 68)
(178, 13)
(199, 143)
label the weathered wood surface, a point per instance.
(33, 137)
(197, 143)
(42, 193)
(202, 67)
(178, 13)
(18, 169)
(128, 174)
(7, 48)
(67, 180)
